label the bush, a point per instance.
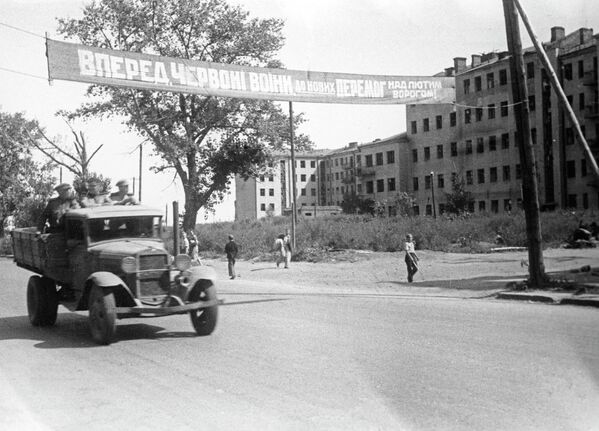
(473, 233)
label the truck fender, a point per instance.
(110, 282)
(195, 274)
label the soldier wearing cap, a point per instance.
(94, 197)
(51, 219)
(123, 197)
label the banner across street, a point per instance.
(74, 62)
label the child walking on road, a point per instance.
(411, 257)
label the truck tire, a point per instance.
(102, 315)
(42, 301)
(204, 319)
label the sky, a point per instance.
(379, 37)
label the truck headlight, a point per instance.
(129, 264)
(182, 262)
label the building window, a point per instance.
(369, 187)
(427, 182)
(368, 159)
(271, 207)
(261, 178)
(416, 210)
(454, 149)
(427, 153)
(503, 109)
(492, 143)
(480, 145)
(503, 77)
(530, 70)
(415, 183)
(480, 174)
(469, 178)
(491, 110)
(493, 175)
(414, 127)
(302, 163)
(390, 157)
(507, 205)
(336, 162)
(440, 181)
(506, 173)
(452, 119)
(271, 192)
(569, 132)
(303, 177)
(583, 168)
(505, 141)
(581, 101)
(337, 175)
(533, 135)
(490, 81)
(312, 163)
(262, 192)
(479, 114)
(429, 210)
(531, 103)
(439, 151)
(478, 86)
(580, 68)
(425, 125)
(467, 115)
(571, 201)
(482, 206)
(585, 201)
(568, 71)
(466, 86)
(571, 169)
(360, 188)
(494, 206)
(262, 207)
(312, 177)
(439, 121)
(391, 184)
(414, 155)
(313, 192)
(471, 206)
(303, 192)
(469, 146)
(379, 159)
(518, 171)
(380, 186)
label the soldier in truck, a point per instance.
(52, 217)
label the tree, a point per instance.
(355, 204)
(205, 139)
(26, 184)
(459, 199)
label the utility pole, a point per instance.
(433, 193)
(293, 185)
(141, 146)
(530, 195)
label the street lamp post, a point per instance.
(433, 193)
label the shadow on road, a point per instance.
(71, 331)
(476, 283)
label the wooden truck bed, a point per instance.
(44, 254)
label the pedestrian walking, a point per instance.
(184, 245)
(281, 250)
(193, 246)
(231, 250)
(288, 248)
(411, 257)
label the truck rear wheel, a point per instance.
(42, 301)
(102, 315)
(204, 319)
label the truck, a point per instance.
(113, 262)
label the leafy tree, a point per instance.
(26, 184)
(206, 140)
(355, 204)
(459, 199)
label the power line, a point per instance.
(22, 30)
(23, 73)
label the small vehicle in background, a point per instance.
(112, 261)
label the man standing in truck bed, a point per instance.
(51, 219)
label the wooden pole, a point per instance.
(141, 146)
(536, 267)
(433, 194)
(293, 185)
(175, 228)
(558, 89)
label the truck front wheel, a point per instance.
(42, 301)
(204, 319)
(102, 315)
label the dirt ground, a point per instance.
(441, 273)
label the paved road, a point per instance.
(296, 362)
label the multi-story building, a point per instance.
(475, 137)
(271, 193)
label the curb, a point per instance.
(526, 297)
(588, 302)
(580, 301)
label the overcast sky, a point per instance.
(395, 37)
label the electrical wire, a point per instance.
(45, 78)
(22, 30)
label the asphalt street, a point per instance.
(295, 361)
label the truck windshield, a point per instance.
(124, 227)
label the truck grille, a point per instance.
(153, 282)
(152, 261)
